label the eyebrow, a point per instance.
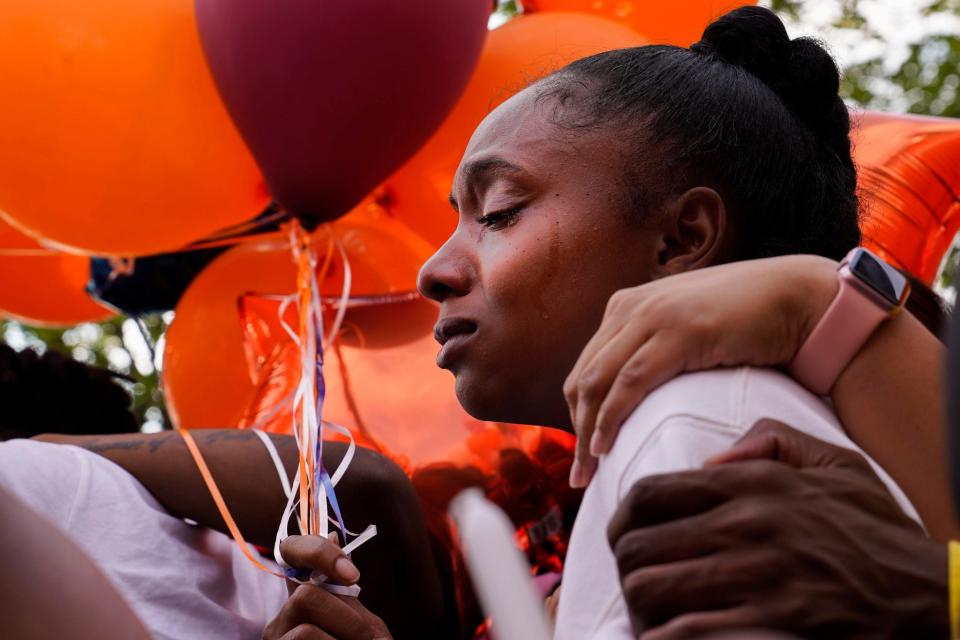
(480, 172)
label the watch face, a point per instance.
(879, 276)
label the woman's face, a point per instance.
(542, 243)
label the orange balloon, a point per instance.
(208, 380)
(44, 290)
(520, 52)
(394, 398)
(909, 178)
(663, 22)
(113, 139)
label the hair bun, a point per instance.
(800, 71)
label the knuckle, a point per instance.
(690, 626)
(635, 590)
(752, 520)
(766, 473)
(301, 632)
(633, 374)
(617, 301)
(625, 549)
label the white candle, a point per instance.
(499, 572)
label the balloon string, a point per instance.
(13, 252)
(203, 244)
(221, 503)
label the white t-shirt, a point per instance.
(675, 428)
(182, 581)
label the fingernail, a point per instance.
(577, 479)
(597, 447)
(346, 570)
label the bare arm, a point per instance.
(400, 581)
(890, 399)
(759, 313)
(50, 588)
(237, 459)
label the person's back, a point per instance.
(677, 427)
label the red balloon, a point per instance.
(909, 178)
(332, 95)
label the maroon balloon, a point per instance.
(332, 95)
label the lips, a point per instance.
(452, 334)
(447, 328)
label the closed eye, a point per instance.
(500, 219)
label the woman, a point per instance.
(623, 168)
(620, 169)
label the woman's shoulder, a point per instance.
(735, 396)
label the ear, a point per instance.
(694, 228)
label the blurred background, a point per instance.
(899, 56)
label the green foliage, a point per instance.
(508, 8)
(117, 345)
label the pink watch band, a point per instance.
(846, 325)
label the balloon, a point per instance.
(155, 283)
(207, 380)
(909, 178)
(46, 290)
(332, 96)
(521, 51)
(394, 398)
(112, 137)
(663, 22)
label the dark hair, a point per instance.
(746, 111)
(53, 393)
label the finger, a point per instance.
(313, 605)
(608, 328)
(591, 386)
(651, 364)
(684, 539)
(663, 498)
(666, 497)
(319, 554)
(584, 466)
(695, 625)
(378, 628)
(774, 440)
(306, 632)
(600, 372)
(615, 316)
(658, 593)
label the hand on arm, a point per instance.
(759, 313)
(785, 532)
(753, 312)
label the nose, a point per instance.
(446, 274)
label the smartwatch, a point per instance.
(870, 292)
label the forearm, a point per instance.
(890, 399)
(400, 581)
(237, 459)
